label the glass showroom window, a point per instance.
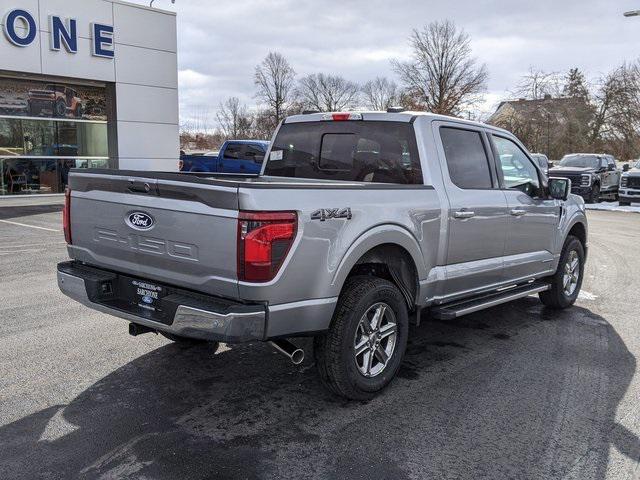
(36, 155)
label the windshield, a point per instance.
(580, 161)
(362, 151)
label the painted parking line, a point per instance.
(21, 251)
(31, 245)
(31, 226)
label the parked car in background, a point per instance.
(630, 185)
(57, 99)
(542, 160)
(235, 156)
(360, 221)
(593, 176)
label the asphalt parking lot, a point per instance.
(512, 392)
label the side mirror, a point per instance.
(611, 167)
(625, 167)
(559, 188)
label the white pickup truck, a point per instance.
(358, 223)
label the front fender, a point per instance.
(575, 213)
(376, 236)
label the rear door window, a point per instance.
(363, 151)
(466, 158)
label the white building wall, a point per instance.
(144, 70)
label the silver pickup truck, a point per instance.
(358, 223)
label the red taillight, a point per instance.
(66, 216)
(264, 239)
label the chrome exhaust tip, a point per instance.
(295, 354)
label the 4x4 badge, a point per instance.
(329, 213)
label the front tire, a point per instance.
(362, 351)
(567, 281)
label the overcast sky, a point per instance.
(220, 42)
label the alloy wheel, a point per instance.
(375, 339)
(571, 274)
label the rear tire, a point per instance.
(567, 281)
(190, 341)
(371, 318)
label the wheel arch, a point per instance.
(388, 252)
(579, 230)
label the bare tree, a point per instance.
(443, 77)
(617, 118)
(536, 84)
(234, 119)
(274, 79)
(380, 93)
(198, 122)
(327, 93)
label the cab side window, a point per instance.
(233, 151)
(254, 153)
(517, 171)
(466, 158)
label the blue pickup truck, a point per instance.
(236, 156)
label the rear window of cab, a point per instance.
(360, 151)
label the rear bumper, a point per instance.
(218, 320)
(213, 318)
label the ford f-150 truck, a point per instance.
(358, 223)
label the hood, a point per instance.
(41, 92)
(569, 170)
(634, 172)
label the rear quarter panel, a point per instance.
(324, 251)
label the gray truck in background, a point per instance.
(357, 225)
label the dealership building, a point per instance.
(84, 84)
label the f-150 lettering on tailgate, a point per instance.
(146, 244)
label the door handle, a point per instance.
(516, 212)
(462, 214)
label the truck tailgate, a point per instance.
(177, 231)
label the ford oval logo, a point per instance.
(140, 221)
